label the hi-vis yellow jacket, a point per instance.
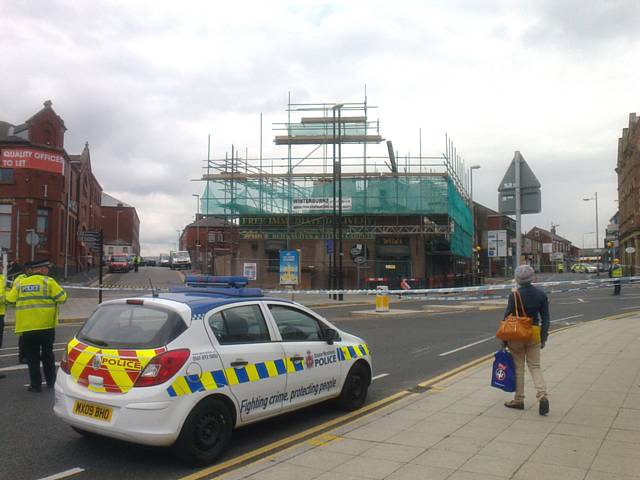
(2, 292)
(36, 298)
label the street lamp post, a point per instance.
(473, 221)
(595, 197)
(197, 229)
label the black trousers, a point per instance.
(616, 287)
(1, 329)
(38, 346)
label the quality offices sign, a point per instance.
(32, 159)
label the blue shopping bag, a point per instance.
(503, 372)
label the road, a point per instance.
(407, 349)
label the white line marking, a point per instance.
(424, 349)
(637, 307)
(15, 368)
(16, 354)
(567, 318)
(377, 377)
(65, 474)
(467, 346)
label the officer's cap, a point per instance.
(38, 264)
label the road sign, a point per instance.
(630, 250)
(497, 243)
(530, 196)
(33, 239)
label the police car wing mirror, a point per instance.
(330, 335)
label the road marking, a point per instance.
(377, 377)
(15, 368)
(16, 354)
(65, 474)
(420, 350)
(567, 318)
(467, 346)
(631, 308)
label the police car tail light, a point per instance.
(64, 363)
(162, 367)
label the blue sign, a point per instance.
(328, 245)
(289, 267)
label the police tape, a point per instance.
(434, 292)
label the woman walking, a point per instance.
(536, 306)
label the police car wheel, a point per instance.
(354, 390)
(205, 433)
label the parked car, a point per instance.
(119, 263)
(149, 261)
(180, 260)
(164, 261)
(185, 368)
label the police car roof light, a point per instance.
(219, 292)
(233, 281)
(135, 301)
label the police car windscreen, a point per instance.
(131, 326)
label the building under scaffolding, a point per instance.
(394, 217)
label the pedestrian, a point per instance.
(615, 271)
(36, 297)
(136, 262)
(536, 306)
(2, 311)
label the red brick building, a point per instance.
(121, 226)
(556, 250)
(47, 196)
(212, 244)
(628, 170)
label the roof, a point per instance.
(210, 221)
(9, 133)
(109, 201)
(202, 302)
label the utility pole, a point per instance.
(518, 213)
(197, 229)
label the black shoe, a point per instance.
(22, 360)
(33, 389)
(50, 386)
(543, 409)
(2, 375)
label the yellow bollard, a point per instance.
(382, 299)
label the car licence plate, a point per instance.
(92, 410)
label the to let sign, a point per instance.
(32, 158)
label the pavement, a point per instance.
(457, 428)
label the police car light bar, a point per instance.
(232, 281)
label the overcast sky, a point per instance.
(145, 83)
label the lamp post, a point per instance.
(473, 219)
(178, 244)
(118, 212)
(67, 221)
(595, 198)
(197, 229)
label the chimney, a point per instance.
(553, 229)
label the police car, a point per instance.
(184, 368)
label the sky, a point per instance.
(145, 83)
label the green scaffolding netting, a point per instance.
(371, 196)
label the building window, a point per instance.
(273, 261)
(220, 237)
(5, 226)
(6, 175)
(42, 227)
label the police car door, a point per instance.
(313, 370)
(253, 363)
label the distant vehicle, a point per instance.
(584, 268)
(119, 263)
(164, 261)
(149, 261)
(179, 260)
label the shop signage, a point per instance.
(497, 243)
(307, 220)
(318, 204)
(32, 159)
(289, 267)
(547, 248)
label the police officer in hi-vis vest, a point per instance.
(36, 297)
(615, 271)
(2, 309)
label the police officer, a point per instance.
(136, 262)
(36, 298)
(615, 271)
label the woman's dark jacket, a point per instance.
(536, 305)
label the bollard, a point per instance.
(382, 298)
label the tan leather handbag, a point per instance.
(516, 327)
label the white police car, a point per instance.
(185, 368)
